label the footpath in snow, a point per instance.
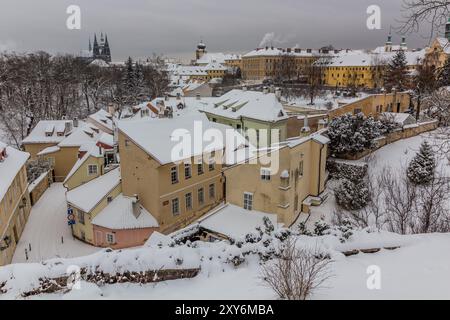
(46, 227)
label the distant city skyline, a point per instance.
(173, 27)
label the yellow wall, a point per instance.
(34, 148)
(87, 227)
(272, 196)
(14, 211)
(375, 104)
(81, 175)
(144, 176)
(63, 161)
(262, 67)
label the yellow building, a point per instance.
(270, 62)
(361, 69)
(61, 142)
(14, 200)
(297, 183)
(439, 50)
(176, 193)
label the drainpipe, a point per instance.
(320, 169)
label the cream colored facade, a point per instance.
(83, 175)
(264, 66)
(151, 181)
(301, 174)
(62, 161)
(375, 104)
(14, 211)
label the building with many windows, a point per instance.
(14, 200)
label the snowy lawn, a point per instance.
(419, 269)
(45, 227)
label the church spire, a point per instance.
(96, 49)
(90, 45)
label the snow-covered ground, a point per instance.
(45, 228)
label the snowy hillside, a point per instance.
(419, 258)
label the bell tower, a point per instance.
(201, 50)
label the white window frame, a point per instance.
(265, 174)
(92, 173)
(186, 196)
(203, 196)
(248, 201)
(172, 171)
(113, 238)
(177, 201)
(212, 191)
(188, 170)
(81, 217)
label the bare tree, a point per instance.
(417, 12)
(297, 272)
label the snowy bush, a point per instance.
(352, 195)
(353, 133)
(353, 172)
(422, 167)
(35, 168)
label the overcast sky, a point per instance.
(139, 28)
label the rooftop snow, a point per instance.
(103, 118)
(83, 134)
(157, 138)
(38, 134)
(10, 167)
(118, 215)
(271, 51)
(235, 222)
(356, 59)
(88, 195)
(248, 104)
(48, 150)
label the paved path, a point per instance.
(45, 227)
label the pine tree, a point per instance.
(129, 81)
(397, 72)
(444, 75)
(422, 166)
(139, 82)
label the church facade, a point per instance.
(99, 50)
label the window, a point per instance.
(300, 168)
(175, 207)
(188, 198)
(81, 217)
(200, 168)
(248, 201)
(265, 174)
(110, 238)
(201, 196)
(127, 143)
(109, 199)
(92, 169)
(187, 171)
(212, 191)
(211, 166)
(174, 175)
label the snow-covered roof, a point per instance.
(249, 104)
(382, 49)
(88, 195)
(99, 63)
(106, 139)
(44, 131)
(399, 118)
(48, 150)
(102, 117)
(93, 151)
(118, 215)
(271, 51)
(10, 166)
(83, 134)
(157, 138)
(218, 57)
(235, 222)
(358, 58)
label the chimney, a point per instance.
(306, 129)
(136, 205)
(278, 93)
(2, 154)
(111, 109)
(99, 150)
(75, 122)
